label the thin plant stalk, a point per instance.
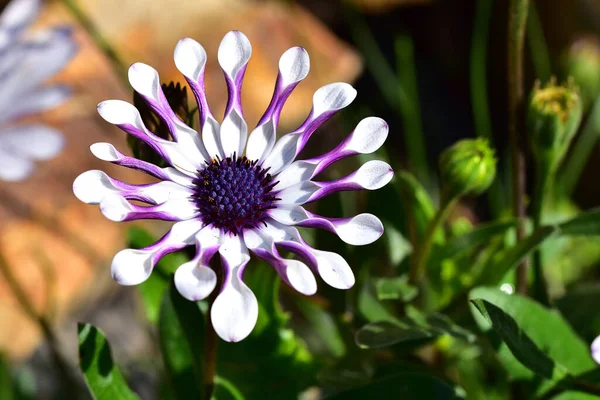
(418, 268)
(44, 326)
(210, 357)
(537, 45)
(479, 92)
(517, 22)
(543, 192)
(86, 22)
(582, 150)
(393, 91)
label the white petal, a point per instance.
(596, 349)
(195, 282)
(210, 136)
(296, 172)
(234, 132)
(35, 101)
(288, 214)
(14, 168)
(369, 135)
(300, 277)
(131, 267)
(297, 194)
(190, 58)
(119, 112)
(18, 13)
(144, 80)
(234, 52)
(373, 175)
(282, 154)
(334, 96)
(92, 186)
(235, 310)
(294, 65)
(261, 141)
(360, 230)
(37, 142)
(334, 270)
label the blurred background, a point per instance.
(419, 64)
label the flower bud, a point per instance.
(582, 63)
(553, 118)
(467, 167)
(177, 98)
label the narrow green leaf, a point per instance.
(477, 237)
(521, 345)
(225, 390)
(416, 202)
(416, 328)
(546, 330)
(324, 325)
(102, 376)
(181, 332)
(396, 288)
(403, 386)
(585, 224)
(494, 272)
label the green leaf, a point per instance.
(403, 386)
(369, 306)
(546, 329)
(520, 344)
(416, 202)
(181, 331)
(153, 289)
(477, 237)
(494, 272)
(587, 224)
(102, 376)
(415, 328)
(396, 288)
(225, 390)
(578, 306)
(324, 324)
(6, 384)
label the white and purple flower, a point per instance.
(595, 347)
(230, 192)
(26, 60)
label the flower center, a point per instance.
(233, 194)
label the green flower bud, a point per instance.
(467, 167)
(553, 118)
(177, 98)
(582, 62)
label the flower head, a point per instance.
(230, 192)
(25, 62)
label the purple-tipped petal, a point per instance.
(94, 185)
(117, 208)
(132, 266)
(235, 310)
(327, 101)
(295, 273)
(234, 53)
(294, 65)
(108, 152)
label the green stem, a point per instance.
(210, 354)
(582, 150)
(404, 100)
(44, 326)
(479, 92)
(537, 46)
(516, 121)
(418, 268)
(117, 63)
(543, 192)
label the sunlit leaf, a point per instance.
(102, 376)
(587, 223)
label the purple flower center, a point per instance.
(233, 194)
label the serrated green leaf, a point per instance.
(520, 344)
(181, 332)
(103, 377)
(403, 386)
(546, 329)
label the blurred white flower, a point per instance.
(596, 349)
(26, 60)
